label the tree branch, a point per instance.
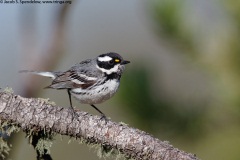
(37, 114)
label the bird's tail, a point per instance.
(52, 75)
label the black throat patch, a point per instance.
(113, 76)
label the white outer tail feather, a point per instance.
(45, 74)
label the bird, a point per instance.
(91, 81)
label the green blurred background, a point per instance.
(183, 83)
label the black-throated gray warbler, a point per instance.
(91, 81)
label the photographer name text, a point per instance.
(35, 2)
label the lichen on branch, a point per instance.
(38, 115)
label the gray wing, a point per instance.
(87, 67)
(81, 75)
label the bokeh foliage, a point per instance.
(207, 32)
(155, 113)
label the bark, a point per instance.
(38, 114)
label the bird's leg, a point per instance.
(70, 100)
(102, 114)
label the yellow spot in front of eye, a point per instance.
(117, 60)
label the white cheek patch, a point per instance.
(104, 59)
(109, 71)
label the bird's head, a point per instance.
(111, 63)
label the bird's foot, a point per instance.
(74, 114)
(103, 117)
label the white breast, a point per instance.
(96, 94)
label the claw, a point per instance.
(74, 114)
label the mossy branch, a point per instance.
(34, 115)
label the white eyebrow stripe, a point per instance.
(104, 59)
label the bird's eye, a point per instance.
(117, 60)
(111, 62)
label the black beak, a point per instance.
(125, 62)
